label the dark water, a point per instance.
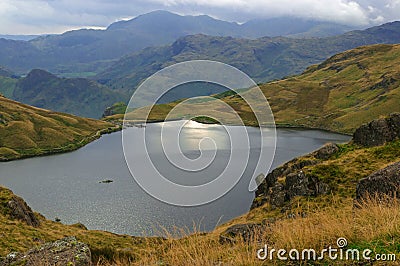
(67, 185)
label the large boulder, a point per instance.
(67, 251)
(378, 132)
(383, 182)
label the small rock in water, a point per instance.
(107, 181)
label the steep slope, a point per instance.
(28, 131)
(340, 94)
(77, 96)
(263, 59)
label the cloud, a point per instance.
(49, 16)
(341, 11)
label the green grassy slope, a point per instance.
(28, 131)
(342, 93)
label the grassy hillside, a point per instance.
(340, 94)
(28, 131)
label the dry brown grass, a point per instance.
(374, 224)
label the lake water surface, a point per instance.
(67, 185)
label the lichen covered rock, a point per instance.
(67, 251)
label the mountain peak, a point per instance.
(157, 15)
(157, 18)
(40, 74)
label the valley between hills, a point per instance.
(304, 203)
(341, 82)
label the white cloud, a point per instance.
(47, 16)
(348, 12)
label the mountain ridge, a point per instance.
(263, 59)
(88, 50)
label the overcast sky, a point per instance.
(56, 16)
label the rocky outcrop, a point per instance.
(21, 211)
(299, 184)
(18, 209)
(296, 182)
(378, 132)
(67, 251)
(383, 182)
(293, 181)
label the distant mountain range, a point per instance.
(344, 92)
(83, 52)
(262, 59)
(113, 81)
